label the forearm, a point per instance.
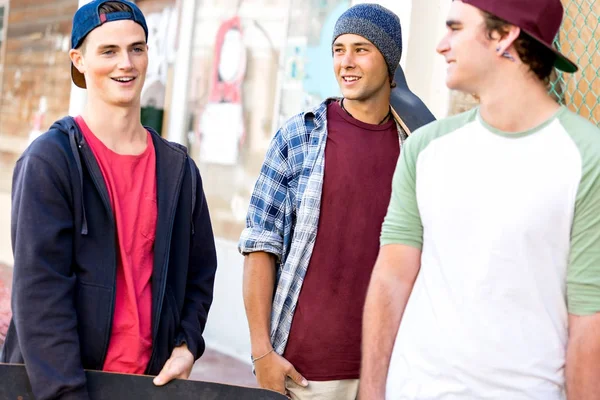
(390, 287)
(258, 287)
(583, 359)
(382, 314)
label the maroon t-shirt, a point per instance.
(360, 158)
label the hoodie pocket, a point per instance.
(93, 322)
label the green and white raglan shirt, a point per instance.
(509, 227)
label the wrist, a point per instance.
(260, 351)
(182, 350)
(262, 356)
(260, 347)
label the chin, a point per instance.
(450, 82)
(347, 95)
(462, 83)
(455, 84)
(126, 101)
(123, 103)
(353, 95)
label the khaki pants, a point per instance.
(327, 390)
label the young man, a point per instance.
(493, 229)
(315, 215)
(113, 246)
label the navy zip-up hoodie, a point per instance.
(65, 252)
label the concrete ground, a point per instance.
(217, 367)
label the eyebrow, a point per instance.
(451, 22)
(114, 46)
(357, 44)
(107, 46)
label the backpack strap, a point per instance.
(401, 123)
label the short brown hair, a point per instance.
(532, 53)
(113, 6)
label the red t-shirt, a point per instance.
(131, 184)
(360, 159)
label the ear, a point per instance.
(77, 59)
(507, 41)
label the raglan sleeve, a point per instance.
(402, 223)
(583, 273)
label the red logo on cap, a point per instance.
(103, 18)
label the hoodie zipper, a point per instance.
(97, 178)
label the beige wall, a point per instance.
(425, 69)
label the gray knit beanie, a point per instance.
(378, 25)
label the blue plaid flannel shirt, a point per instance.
(284, 210)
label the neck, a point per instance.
(516, 103)
(371, 111)
(119, 128)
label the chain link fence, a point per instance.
(579, 40)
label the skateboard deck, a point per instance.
(407, 105)
(14, 385)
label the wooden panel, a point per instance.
(36, 63)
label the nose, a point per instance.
(347, 60)
(125, 61)
(443, 46)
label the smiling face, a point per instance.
(470, 54)
(360, 69)
(114, 60)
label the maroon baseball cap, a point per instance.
(540, 19)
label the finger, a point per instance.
(277, 385)
(296, 377)
(165, 376)
(182, 367)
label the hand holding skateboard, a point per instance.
(178, 366)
